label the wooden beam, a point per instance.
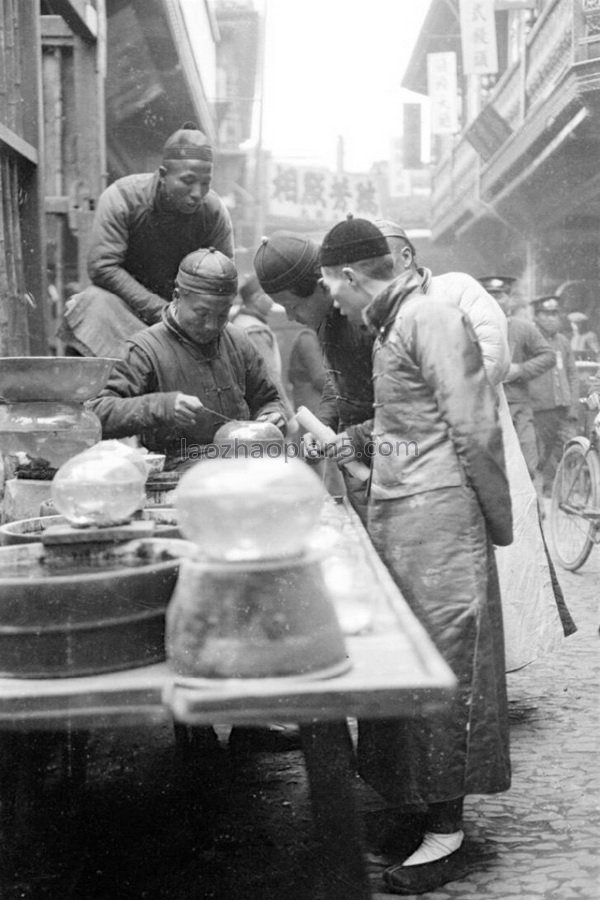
(18, 144)
(57, 205)
(55, 31)
(79, 15)
(33, 226)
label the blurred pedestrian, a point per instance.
(433, 514)
(584, 342)
(252, 315)
(530, 356)
(306, 371)
(555, 394)
(143, 227)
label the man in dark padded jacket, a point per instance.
(144, 225)
(186, 375)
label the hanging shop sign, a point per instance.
(443, 92)
(516, 4)
(488, 132)
(318, 194)
(590, 9)
(478, 37)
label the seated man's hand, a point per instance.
(311, 448)
(186, 409)
(276, 418)
(340, 448)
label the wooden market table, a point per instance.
(395, 672)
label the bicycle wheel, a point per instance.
(574, 492)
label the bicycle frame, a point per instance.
(593, 446)
(575, 509)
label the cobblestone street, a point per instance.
(243, 830)
(540, 839)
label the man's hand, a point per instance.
(186, 408)
(311, 448)
(514, 372)
(339, 448)
(276, 418)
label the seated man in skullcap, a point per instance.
(187, 374)
(143, 227)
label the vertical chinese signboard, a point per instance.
(443, 92)
(478, 36)
(319, 195)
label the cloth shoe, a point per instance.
(426, 877)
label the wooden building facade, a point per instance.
(517, 189)
(89, 92)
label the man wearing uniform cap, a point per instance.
(439, 496)
(187, 374)
(554, 394)
(497, 284)
(143, 227)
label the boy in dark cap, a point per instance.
(439, 497)
(186, 375)
(287, 267)
(554, 394)
(143, 227)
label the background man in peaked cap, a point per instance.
(144, 225)
(554, 394)
(530, 356)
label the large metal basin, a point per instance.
(69, 378)
(88, 621)
(28, 531)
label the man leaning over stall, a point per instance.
(185, 376)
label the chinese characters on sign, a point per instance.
(478, 35)
(398, 178)
(318, 194)
(443, 93)
(517, 4)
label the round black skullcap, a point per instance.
(352, 240)
(207, 271)
(188, 142)
(284, 259)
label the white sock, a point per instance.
(434, 846)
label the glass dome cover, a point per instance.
(249, 509)
(98, 489)
(122, 450)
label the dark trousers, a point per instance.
(522, 418)
(553, 429)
